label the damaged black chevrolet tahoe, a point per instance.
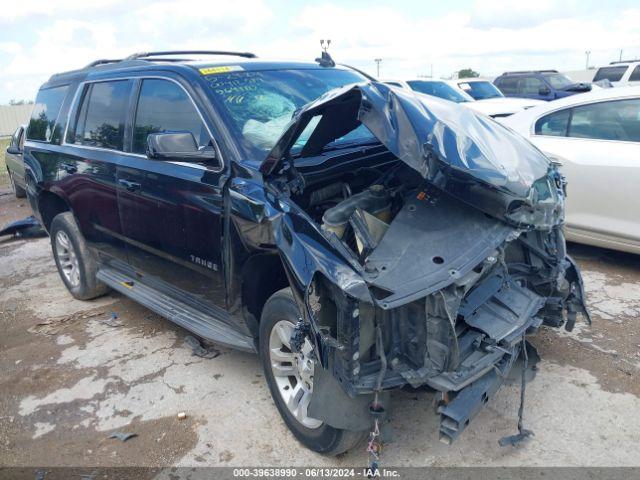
(360, 238)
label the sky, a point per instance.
(412, 38)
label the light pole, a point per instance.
(377, 60)
(587, 53)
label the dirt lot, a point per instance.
(69, 378)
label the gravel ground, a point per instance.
(70, 377)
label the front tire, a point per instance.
(76, 265)
(290, 378)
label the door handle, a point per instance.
(130, 186)
(69, 167)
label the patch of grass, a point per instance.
(4, 176)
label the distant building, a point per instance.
(12, 116)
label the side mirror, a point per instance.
(177, 146)
(544, 91)
(13, 150)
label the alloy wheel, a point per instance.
(293, 372)
(67, 258)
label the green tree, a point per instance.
(13, 101)
(468, 73)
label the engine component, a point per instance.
(326, 193)
(375, 200)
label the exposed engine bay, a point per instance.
(448, 268)
(453, 291)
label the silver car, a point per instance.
(596, 138)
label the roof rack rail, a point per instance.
(530, 71)
(146, 55)
(103, 61)
(624, 61)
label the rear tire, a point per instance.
(18, 191)
(76, 264)
(312, 433)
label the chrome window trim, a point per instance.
(74, 104)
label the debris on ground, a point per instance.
(112, 321)
(198, 349)
(53, 326)
(123, 436)
(182, 416)
(26, 228)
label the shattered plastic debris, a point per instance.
(112, 321)
(25, 228)
(198, 350)
(123, 436)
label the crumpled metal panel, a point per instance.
(500, 307)
(447, 143)
(429, 246)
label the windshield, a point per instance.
(480, 90)
(438, 89)
(557, 80)
(261, 104)
(613, 74)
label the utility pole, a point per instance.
(587, 53)
(377, 60)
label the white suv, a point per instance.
(620, 73)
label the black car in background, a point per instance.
(360, 238)
(15, 165)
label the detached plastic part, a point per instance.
(25, 228)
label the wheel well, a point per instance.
(50, 205)
(262, 276)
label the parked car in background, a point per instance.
(14, 162)
(620, 73)
(449, 90)
(539, 84)
(358, 237)
(596, 138)
(485, 91)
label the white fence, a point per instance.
(12, 116)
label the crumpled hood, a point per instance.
(448, 144)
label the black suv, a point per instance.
(359, 237)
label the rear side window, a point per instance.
(530, 85)
(635, 75)
(508, 85)
(554, 124)
(613, 74)
(164, 106)
(615, 120)
(42, 126)
(101, 118)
